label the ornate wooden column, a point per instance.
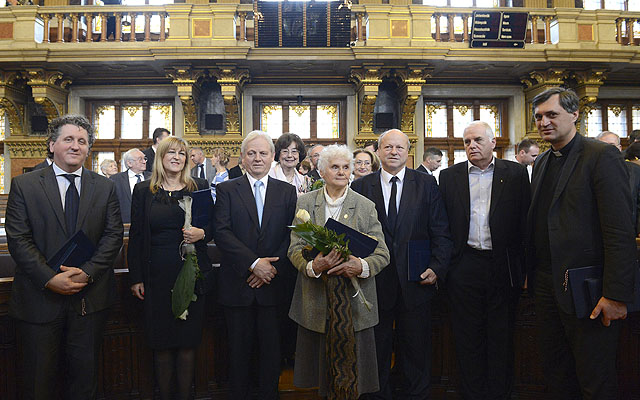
(367, 79)
(49, 88)
(231, 81)
(537, 82)
(588, 86)
(188, 81)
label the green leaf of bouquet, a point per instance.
(183, 289)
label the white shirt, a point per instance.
(263, 191)
(133, 179)
(385, 180)
(480, 182)
(63, 183)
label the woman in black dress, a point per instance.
(154, 263)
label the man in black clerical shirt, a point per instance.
(580, 216)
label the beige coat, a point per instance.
(309, 304)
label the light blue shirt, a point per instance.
(480, 182)
(63, 183)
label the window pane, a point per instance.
(487, 3)
(271, 119)
(131, 121)
(594, 121)
(435, 118)
(3, 123)
(462, 3)
(300, 120)
(462, 117)
(635, 117)
(327, 125)
(105, 121)
(437, 3)
(591, 4)
(98, 157)
(459, 156)
(614, 4)
(634, 5)
(489, 114)
(617, 120)
(160, 116)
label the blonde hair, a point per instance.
(158, 175)
(223, 156)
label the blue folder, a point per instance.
(419, 257)
(585, 284)
(73, 253)
(360, 244)
(201, 208)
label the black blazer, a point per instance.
(421, 168)
(139, 249)
(41, 165)
(36, 230)
(151, 155)
(235, 172)
(589, 219)
(123, 191)
(510, 199)
(421, 215)
(241, 240)
(634, 184)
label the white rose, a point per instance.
(303, 215)
(183, 316)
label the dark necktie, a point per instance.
(392, 214)
(201, 166)
(71, 203)
(139, 178)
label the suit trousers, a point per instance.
(578, 355)
(246, 326)
(75, 337)
(412, 351)
(482, 325)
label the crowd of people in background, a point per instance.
(487, 230)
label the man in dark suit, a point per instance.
(431, 160)
(125, 181)
(44, 164)
(202, 165)
(411, 210)
(252, 215)
(634, 177)
(158, 135)
(580, 216)
(487, 202)
(62, 313)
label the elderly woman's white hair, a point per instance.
(333, 152)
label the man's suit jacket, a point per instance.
(242, 240)
(43, 164)
(634, 184)
(36, 230)
(151, 156)
(510, 199)
(235, 172)
(421, 216)
(589, 219)
(210, 171)
(309, 306)
(421, 168)
(123, 191)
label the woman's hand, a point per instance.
(349, 268)
(322, 263)
(138, 290)
(192, 234)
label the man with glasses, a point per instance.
(314, 155)
(136, 163)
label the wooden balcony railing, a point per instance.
(625, 31)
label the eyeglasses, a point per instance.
(141, 159)
(286, 152)
(360, 162)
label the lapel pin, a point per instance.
(345, 216)
(501, 180)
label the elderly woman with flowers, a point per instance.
(335, 344)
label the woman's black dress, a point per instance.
(163, 330)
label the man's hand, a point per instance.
(323, 263)
(70, 281)
(350, 268)
(610, 310)
(428, 277)
(137, 290)
(264, 270)
(254, 281)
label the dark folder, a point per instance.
(360, 244)
(419, 257)
(585, 284)
(201, 208)
(75, 252)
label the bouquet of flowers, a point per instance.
(324, 240)
(183, 291)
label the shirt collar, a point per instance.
(133, 174)
(59, 171)
(490, 167)
(386, 177)
(563, 152)
(252, 180)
